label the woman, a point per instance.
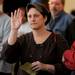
(41, 48)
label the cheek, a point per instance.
(29, 20)
(41, 21)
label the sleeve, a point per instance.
(61, 46)
(12, 53)
(6, 29)
(4, 32)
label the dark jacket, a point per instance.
(70, 33)
(49, 52)
(60, 23)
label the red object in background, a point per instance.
(69, 57)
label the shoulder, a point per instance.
(58, 36)
(68, 17)
(60, 39)
(5, 19)
(25, 36)
(5, 16)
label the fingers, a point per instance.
(16, 14)
(11, 14)
(16, 19)
(36, 66)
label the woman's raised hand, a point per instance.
(16, 19)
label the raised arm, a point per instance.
(16, 21)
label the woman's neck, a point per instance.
(39, 32)
(41, 35)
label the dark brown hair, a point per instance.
(41, 9)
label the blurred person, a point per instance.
(42, 48)
(25, 28)
(71, 52)
(71, 32)
(1, 3)
(73, 12)
(60, 20)
(44, 2)
(5, 68)
(10, 6)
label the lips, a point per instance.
(33, 23)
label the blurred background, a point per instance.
(70, 5)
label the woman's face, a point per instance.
(35, 18)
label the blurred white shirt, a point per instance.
(25, 28)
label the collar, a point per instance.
(59, 15)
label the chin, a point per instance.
(35, 28)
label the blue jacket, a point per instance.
(60, 23)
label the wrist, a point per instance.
(50, 68)
(14, 30)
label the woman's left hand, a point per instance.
(36, 66)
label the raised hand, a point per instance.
(16, 22)
(16, 19)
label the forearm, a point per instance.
(12, 37)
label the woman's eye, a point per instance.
(29, 16)
(36, 15)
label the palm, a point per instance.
(16, 20)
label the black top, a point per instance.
(49, 52)
(70, 33)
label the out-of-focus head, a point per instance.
(44, 2)
(56, 6)
(41, 9)
(11, 5)
(1, 6)
(1, 2)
